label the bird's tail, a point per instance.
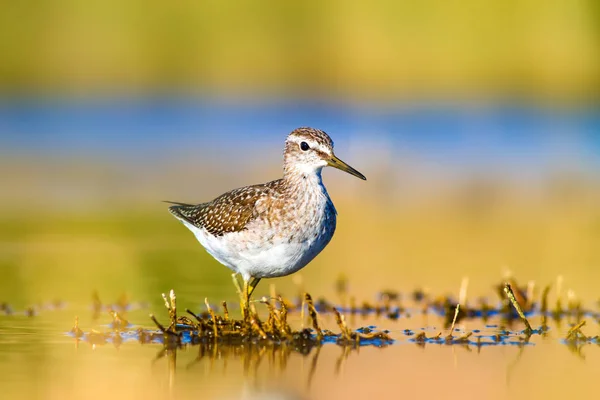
(178, 203)
(182, 211)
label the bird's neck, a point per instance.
(308, 199)
(306, 185)
(298, 176)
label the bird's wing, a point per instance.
(230, 212)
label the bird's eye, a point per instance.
(304, 146)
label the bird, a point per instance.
(276, 228)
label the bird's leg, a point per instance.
(252, 286)
(249, 287)
(243, 293)
(236, 283)
(245, 301)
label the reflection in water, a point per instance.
(250, 356)
(273, 351)
(251, 343)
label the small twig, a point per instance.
(274, 322)
(339, 318)
(161, 327)
(285, 327)
(544, 306)
(201, 323)
(76, 331)
(575, 330)
(173, 299)
(225, 311)
(213, 317)
(167, 305)
(517, 306)
(464, 338)
(255, 322)
(421, 337)
(302, 313)
(312, 312)
(236, 283)
(171, 305)
(119, 323)
(456, 311)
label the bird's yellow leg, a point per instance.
(243, 293)
(245, 296)
(245, 300)
(236, 283)
(252, 286)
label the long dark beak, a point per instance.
(339, 164)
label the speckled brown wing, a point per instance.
(230, 212)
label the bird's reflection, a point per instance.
(250, 356)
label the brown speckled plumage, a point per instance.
(231, 211)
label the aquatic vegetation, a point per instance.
(212, 327)
(271, 328)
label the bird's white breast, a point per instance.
(281, 246)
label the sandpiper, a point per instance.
(276, 228)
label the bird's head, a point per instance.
(308, 150)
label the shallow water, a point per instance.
(69, 259)
(39, 359)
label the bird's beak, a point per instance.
(339, 164)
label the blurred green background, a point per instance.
(382, 49)
(476, 123)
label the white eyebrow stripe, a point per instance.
(303, 138)
(299, 139)
(323, 149)
(296, 139)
